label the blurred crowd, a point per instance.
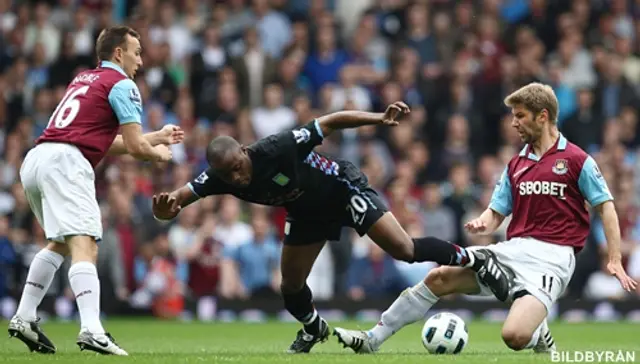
(251, 68)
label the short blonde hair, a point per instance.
(535, 97)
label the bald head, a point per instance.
(220, 149)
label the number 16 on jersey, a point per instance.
(68, 108)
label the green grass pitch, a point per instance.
(157, 342)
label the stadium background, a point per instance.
(250, 68)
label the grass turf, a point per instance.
(157, 342)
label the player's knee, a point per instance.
(290, 286)
(515, 339)
(83, 248)
(438, 282)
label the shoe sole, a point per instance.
(341, 340)
(32, 345)
(83, 345)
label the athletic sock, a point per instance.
(430, 249)
(83, 277)
(41, 272)
(412, 305)
(300, 306)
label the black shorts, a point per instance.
(362, 209)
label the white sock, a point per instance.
(83, 277)
(412, 305)
(534, 338)
(41, 272)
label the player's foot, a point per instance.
(358, 341)
(100, 343)
(31, 335)
(304, 342)
(498, 277)
(545, 344)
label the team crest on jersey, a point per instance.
(560, 167)
(301, 135)
(596, 172)
(281, 180)
(202, 178)
(135, 96)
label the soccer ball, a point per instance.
(445, 333)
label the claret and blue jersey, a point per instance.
(546, 194)
(97, 102)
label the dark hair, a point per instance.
(111, 38)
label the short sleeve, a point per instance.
(592, 185)
(126, 102)
(206, 184)
(502, 199)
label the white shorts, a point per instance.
(542, 269)
(59, 183)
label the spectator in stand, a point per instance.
(256, 262)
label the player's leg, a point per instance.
(543, 272)
(412, 305)
(71, 214)
(84, 282)
(368, 215)
(525, 323)
(24, 324)
(296, 264)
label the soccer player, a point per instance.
(58, 179)
(321, 196)
(545, 187)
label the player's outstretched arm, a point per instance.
(354, 119)
(166, 206)
(609, 216)
(168, 135)
(140, 148)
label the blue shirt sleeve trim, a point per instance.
(318, 128)
(502, 200)
(126, 102)
(193, 190)
(592, 184)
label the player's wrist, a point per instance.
(160, 219)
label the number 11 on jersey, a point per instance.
(68, 107)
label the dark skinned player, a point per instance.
(321, 196)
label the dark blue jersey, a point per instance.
(288, 172)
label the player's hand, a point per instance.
(476, 226)
(393, 112)
(171, 134)
(165, 206)
(614, 267)
(163, 153)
